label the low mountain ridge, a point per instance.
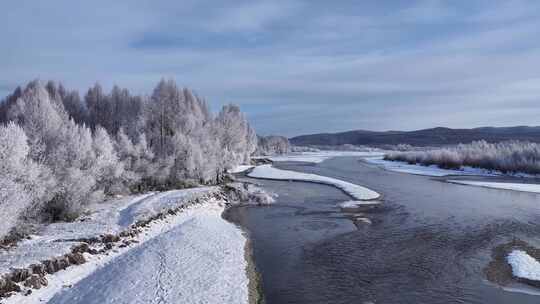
(433, 136)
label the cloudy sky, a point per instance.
(295, 67)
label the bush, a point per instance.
(507, 157)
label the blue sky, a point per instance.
(294, 67)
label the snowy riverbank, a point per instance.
(434, 171)
(403, 167)
(362, 194)
(521, 187)
(203, 253)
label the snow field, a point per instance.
(208, 260)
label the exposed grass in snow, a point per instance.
(533, 188)
(355, 191)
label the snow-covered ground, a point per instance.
(357, 192)
(433, 170)
(240, 168)
(192, 257)
(109, 217)
(318, 157)
(523, 265)
(534, 188)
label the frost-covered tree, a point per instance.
(233, 132)
(7, 103)
(251, 144)
(59, 143)
(72, 163)
(99, 110)
(137, 159)
(273, 145)
(180, 131)
(23, 183)
(116, 141)
(106, 168)
(41, 118)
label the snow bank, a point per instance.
(534, 188)
(159, 202)
(523, 265)
(433, 170)
(109, 217)
(355, 191)
(318, 157)
(192, 257)
(240, 168)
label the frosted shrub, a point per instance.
(507, 157)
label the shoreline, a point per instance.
(255, 292)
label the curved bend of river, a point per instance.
(428, 243)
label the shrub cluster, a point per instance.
(507, 157)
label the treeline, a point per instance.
(60, 152)
(273, 145)
(506, 157)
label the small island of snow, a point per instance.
(355, 191)
(524, 266)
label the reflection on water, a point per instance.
(428, 244)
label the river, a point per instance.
(428, 243)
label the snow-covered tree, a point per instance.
(107, 168)
(23, 183)
(98, 107)
(59, 143)
(236, 137)
(251, 144)
(273, 145)
(116, 141)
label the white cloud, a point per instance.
(252, 16)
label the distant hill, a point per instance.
(426, 137)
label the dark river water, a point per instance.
(428, 243)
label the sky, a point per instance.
(295, 67)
